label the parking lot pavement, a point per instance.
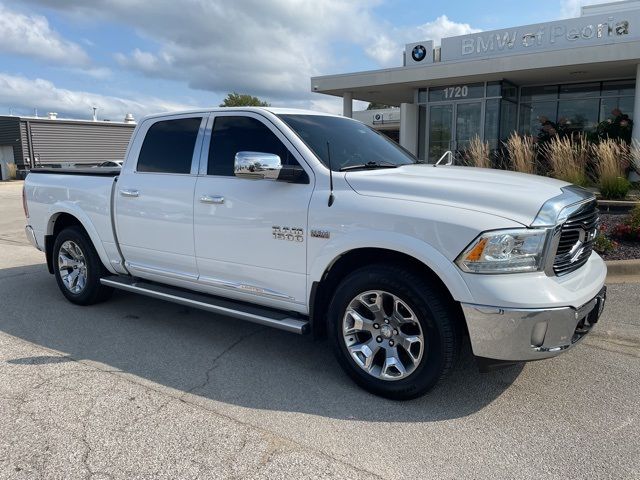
(138, 388)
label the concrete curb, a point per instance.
(623, 268)
(618, 203)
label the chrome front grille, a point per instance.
(576, 239)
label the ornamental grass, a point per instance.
(568, 158)
(522, 152)
(477, 154)
(612, 160)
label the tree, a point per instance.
(377, 106)
(242, 100)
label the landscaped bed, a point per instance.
(619, 237)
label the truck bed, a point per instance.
(84, 193)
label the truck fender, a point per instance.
(444, 268)
(70, 208)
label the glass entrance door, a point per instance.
(452, 126)
(468, 124)
(440, 130)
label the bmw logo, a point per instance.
(418, 53)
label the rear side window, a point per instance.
(242, 134)
(168, 146)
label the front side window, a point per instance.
(168, 146)
(350, 143)
(233, 134)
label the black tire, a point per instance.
(92, 292)
(436, 315)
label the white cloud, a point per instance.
(32, 36)
(571, 8)
(269, 49)
(387, 49)
(442, 27)
(25, 94)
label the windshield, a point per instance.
(352, 143)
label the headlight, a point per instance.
(505, 251)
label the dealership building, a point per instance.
(570, 74)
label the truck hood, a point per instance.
(511, 195)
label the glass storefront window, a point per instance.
(491, 126)
(494, 89)
(580, 90)
(618, 88)
(538, 118)
(508, 119)
(537, 94)
(615, 106)
(456, 92)
(578, 115)
(509, 91)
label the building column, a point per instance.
(409, 127)
(347, 104)
(635, 134)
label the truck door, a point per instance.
(250, 235)
(154, 199)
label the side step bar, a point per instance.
(252, 313)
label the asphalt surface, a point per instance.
(139, 388)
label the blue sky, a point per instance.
(146, 56)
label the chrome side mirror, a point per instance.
(257, 165)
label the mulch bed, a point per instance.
(625, 250)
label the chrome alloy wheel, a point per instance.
(383, 335)
(72, 267)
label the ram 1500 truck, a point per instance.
(315, 223)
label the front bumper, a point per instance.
(514, 334)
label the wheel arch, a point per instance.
(62, 218)
(322, 288)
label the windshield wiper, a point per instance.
(368, 166)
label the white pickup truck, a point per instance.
(315, 223)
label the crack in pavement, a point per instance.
(214, 363)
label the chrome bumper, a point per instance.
(529, 334)
(31, 236)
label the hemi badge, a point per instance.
(320, 233)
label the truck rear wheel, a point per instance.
(77, 268)
(392, 331)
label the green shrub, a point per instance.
(604, 244)
(614, 188)
(634, 219)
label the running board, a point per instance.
(243, 311)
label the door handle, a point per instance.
(126, 192)
(217, 199)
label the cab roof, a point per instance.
(273, 110)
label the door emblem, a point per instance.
(292, 234)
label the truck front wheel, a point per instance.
(77, 268)
(393, 332)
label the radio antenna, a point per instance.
(331, 197)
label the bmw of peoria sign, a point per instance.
(565, 34)
(419, 53)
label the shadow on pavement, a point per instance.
(219, 358)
